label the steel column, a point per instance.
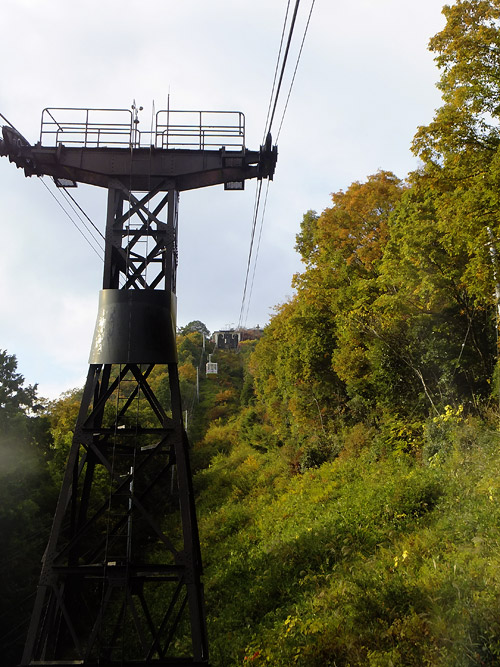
(121, 578)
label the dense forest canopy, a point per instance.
(345, 464)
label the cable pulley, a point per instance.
(15, 146)
(268, 159)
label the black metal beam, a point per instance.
(142, 170)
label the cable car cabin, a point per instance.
(211, 368)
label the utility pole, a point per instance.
(121, 575)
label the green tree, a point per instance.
(460, 147)
(450, 342)
(468, 55)
(313, 358)
(27, 499)
(459, 181)
(15, 398)
(195, 325)
(344, 247)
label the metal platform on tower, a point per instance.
(104, 147)
(121, 575)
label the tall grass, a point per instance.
(364, 560)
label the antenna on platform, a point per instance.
(135, 121)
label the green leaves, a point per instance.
(468, 54)
(15, 397)
(27, 498)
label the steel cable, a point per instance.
(295, 70)
(283, 66)
(266, 132)
(72, 220)
(267, 129)
(69, 201)
(257, 253)
(276, 71)
(66, 191)
(252, 237)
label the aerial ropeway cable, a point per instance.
(86, 237)
(70, 196)
(257, 253)
(283, 65)
(295, 70)
(275, 73)
(252, 237)
(11, 133)
(273, 104)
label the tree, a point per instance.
(468, 54)
(27, 499)
(460, 150)
(428, 278)
(313, 358)
(15, 398)
(343, 249)
(195, 325)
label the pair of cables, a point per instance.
(281, 67)
(277, 82)
(82, 222)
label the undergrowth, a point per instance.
(363, 560)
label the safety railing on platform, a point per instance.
(87, 128)
(202, 130)
(118, 128)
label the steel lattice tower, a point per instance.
(121, 575)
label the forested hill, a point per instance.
(345, 465)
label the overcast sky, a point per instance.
(364, 84)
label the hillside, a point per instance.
(378, 556)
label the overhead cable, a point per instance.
(70, 201)
(269, 121)
(257, 253)
(295, 70)
(267, 129)
(72, 220)
(276, 71)
(7, 121)
(283, 66)
(72, 205)
(252, 237)
(68, 193)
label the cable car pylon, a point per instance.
(121, 574)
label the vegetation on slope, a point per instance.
(373, 559)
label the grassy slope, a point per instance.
(363, 561)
